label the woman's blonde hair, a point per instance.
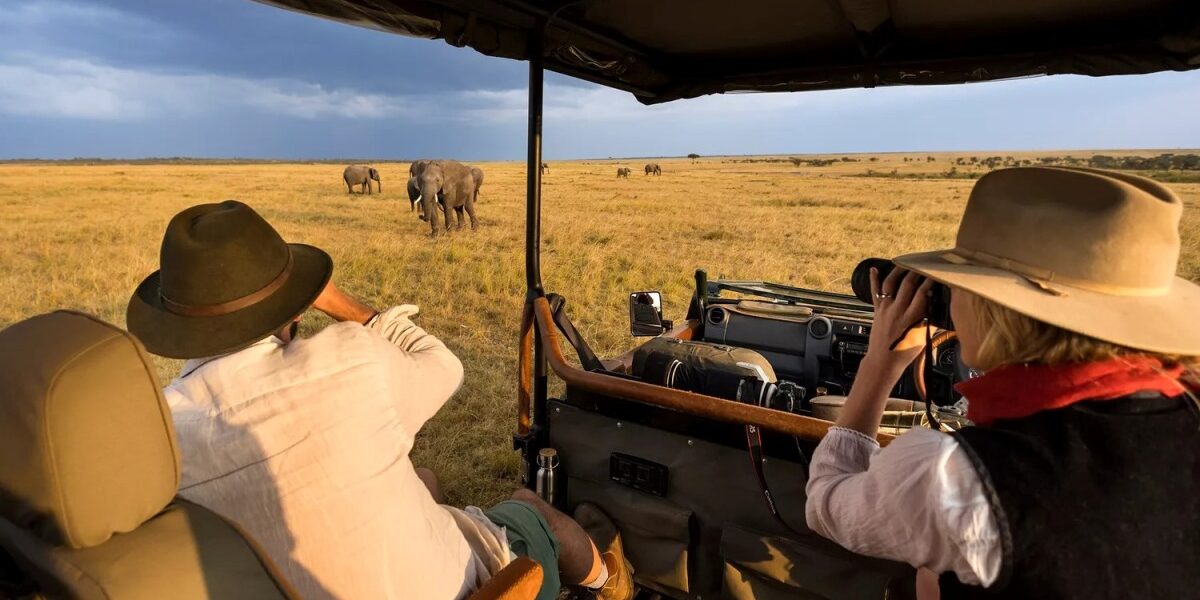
(1010, 338)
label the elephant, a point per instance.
(545, 168)
(624, 172)
(361, 175)
(477, 173)
(414, 190)
(653, 168)
(445, 185)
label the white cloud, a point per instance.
(51, 12)
(82, 89)
(41, 86)
(1137, 111)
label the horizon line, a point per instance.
(353, 160)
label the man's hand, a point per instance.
(341, 306)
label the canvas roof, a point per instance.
(663, 50)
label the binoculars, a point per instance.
(938, 312)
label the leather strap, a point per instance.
(755, 446)
(224, 308)
(587, 358)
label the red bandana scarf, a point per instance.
(1017, 391)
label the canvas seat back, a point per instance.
(88, 472)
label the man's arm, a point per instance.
(427, 370)
(341, 306)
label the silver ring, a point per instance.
(882, 296)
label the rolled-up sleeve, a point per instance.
(919, 500)
(428, 371)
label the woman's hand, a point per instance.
(900, 302)
(897, 334)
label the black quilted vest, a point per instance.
(1095, 500)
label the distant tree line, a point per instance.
(797, 161)
(1162, 162)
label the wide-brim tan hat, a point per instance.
(226, 280)
(1090, 251)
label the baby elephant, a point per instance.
(361, 175)
(623, 172)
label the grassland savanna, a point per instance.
(82, 237)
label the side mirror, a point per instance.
(645, 314)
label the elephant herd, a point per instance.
(651, 169)
(445, 186)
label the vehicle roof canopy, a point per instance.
(663, 50)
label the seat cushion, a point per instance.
(81, 408)
(186, 553)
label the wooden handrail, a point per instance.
(687, 402)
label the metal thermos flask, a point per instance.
(547, 465)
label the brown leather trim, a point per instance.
(224, 308)
(525, 371)
(520, 580)
(687, 402)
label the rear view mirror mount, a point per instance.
(645, 314)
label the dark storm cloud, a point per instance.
(132, 78)
(244, 38)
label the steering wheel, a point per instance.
(947, 368)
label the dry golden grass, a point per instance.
(76, 236)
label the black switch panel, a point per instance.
(638, 473)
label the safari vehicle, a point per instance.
(708, 490)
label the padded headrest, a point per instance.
(86, 439)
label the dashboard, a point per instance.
(814, 340)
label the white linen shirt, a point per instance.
(306, 445)
(919, 501)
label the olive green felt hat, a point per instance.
(226, 280)
(1090, 251)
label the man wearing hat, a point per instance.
(305, 442)
(1079, 478)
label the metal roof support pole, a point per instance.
(533, 266)
(533, 189)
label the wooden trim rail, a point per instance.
(687, 402)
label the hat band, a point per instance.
(1044, 279)
(224, 308)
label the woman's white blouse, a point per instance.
(919, 501)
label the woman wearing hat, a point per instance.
(1081, 476)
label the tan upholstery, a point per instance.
(185, 552)
(80, 405)
(520, 580)
(88, 471)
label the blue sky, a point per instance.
(233, 78)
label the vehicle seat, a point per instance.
(88, 472)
